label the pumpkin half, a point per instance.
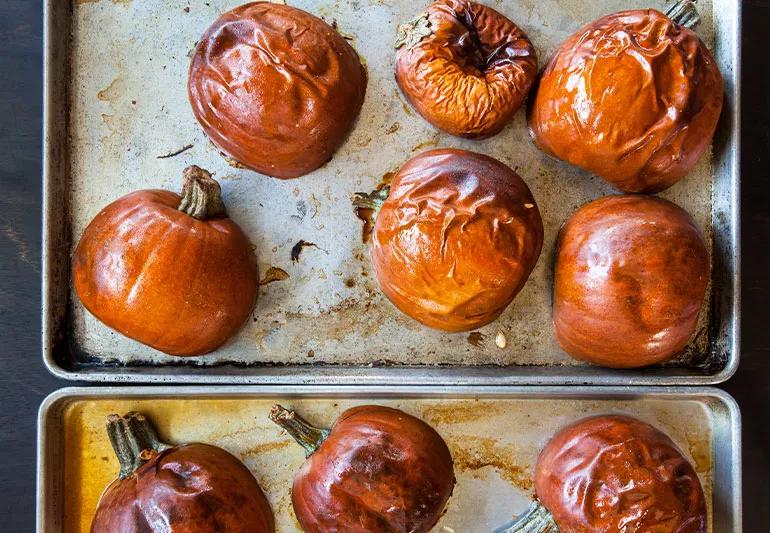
(613, 473)
(637, 479)
(630, 278)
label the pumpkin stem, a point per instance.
(412, 32)
(372, 200)
(367, 206)
(306, 435)
(684, 13)
(201, 195)
(536, 519)
(134, 441)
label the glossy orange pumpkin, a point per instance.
(190, 488)
(456, 239)
(377, 469)
(464, 67)
(630, 279)
(174, 273)
(275, 88)
(615, 473)
(632, 97)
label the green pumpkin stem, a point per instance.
(306, 435)
(201, 195)
(132, 437)
(372, 200)
(684, 13)
(536, 519)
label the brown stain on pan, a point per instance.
(476, 453)
(89, 466)
(700, 451)
(115, 90)
(117, 119)
(273, 274)
(433, 141)
(351, 314)
(476, 338)
(393, 128)
(458, 413)
(264, 448)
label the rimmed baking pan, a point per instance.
(115, 100)
(494, 435)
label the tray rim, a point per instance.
(724, 399)
(395, 375)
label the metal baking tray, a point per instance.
(494, 434)
(115, 100)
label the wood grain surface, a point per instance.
(24, 382)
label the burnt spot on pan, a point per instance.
(301, 211)
(266, 447)
(393, 128)
(476, 338)
(296, 250)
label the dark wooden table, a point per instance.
(24, 382)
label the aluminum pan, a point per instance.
(84, 174)
(670, 408)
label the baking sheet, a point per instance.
(494, 435)
(126, 104)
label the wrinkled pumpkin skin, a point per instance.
(275, 88)
(456, 239)
(632, 97)
(194, 488)
(471, 73)
(380, 469)
(630, 278)
(616, 473)
(157, 275)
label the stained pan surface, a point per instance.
(116, 100)
(494, 435)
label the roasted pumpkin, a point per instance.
(613, 473)
(189, 488)
(377, 469)
(464, 67)
(630, 279)
(275, 88)
(455, 239)
(633, 97)
(172, 272)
